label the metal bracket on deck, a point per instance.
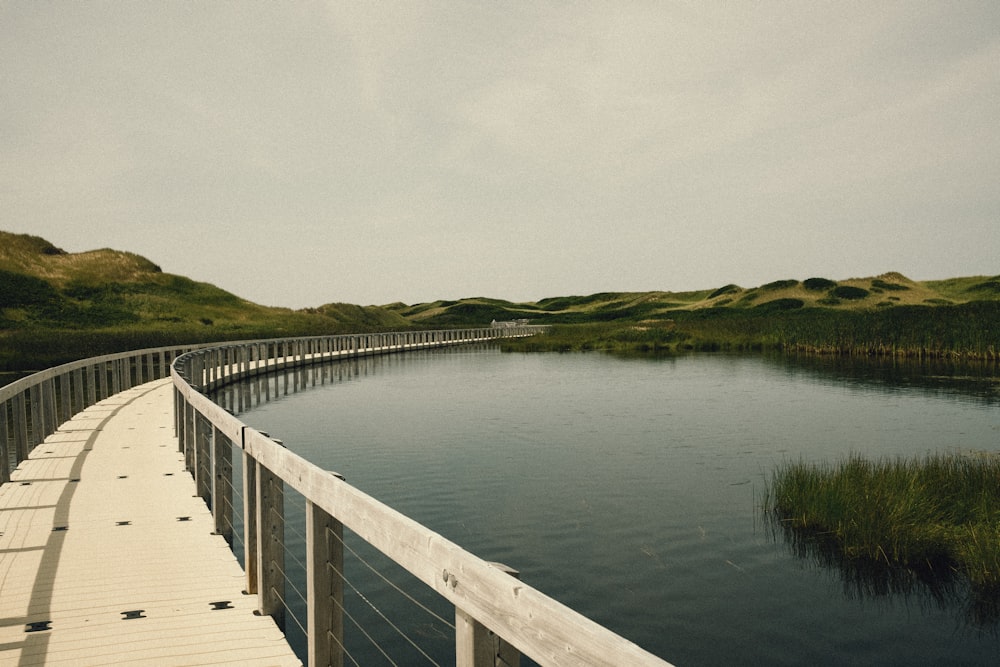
(135, 613)
(38, 626)
(222, 604)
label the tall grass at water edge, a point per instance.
(966, 331)
(940, 513)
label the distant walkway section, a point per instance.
(107, 556)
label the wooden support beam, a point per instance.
(222, 485)
(250, 556)
(270, 545)
(478, 646)
(324, 567)
(203, 459)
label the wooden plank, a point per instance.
(135, 540)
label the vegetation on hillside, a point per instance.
(885, 315)
(969, 331)
(57, 306)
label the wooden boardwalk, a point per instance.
(108, 557)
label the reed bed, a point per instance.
(939, 513)
(959, 332)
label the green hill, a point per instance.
(888, 314)
(888, 290)
(56, 306)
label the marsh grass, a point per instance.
(963, 331)
(654, 337)
(933, 519)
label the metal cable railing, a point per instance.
(342, 584)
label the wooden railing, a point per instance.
(489, 603)
(33, 407)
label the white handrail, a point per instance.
(485, 597)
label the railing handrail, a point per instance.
(34, 407)
(484, 596)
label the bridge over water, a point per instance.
(117, 513)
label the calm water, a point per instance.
(629, 489)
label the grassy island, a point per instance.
(939, 514)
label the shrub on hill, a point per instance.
(992, 286)
(18, 290)
(781, 304)
(728, 289)
(818, 284)
(891, 287)
(779, 284)
(849, 292)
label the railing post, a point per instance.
(188, 442)
(90, 373)
(178, 411)
(473, 644)
(65, 402)
(20, 425)
(250, 556)
(4, 444)
(35, 407)
(102, 380)
(325, 597)
(78, 402)
(50, 415)
(270, 545)
(222, 487)
(203, 459)
(476, 645)
(116, 382)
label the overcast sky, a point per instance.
(301, 153)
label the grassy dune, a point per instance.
(57, 306)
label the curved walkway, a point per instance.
(108, 557)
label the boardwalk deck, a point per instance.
(107, 556)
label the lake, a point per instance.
(630, 489)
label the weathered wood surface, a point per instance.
(128, 539)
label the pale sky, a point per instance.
(302, 153)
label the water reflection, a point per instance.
(250, 393)
(626, 488)
(968, 380)
(936, 587)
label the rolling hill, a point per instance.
(885, 291)
(56, 306)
